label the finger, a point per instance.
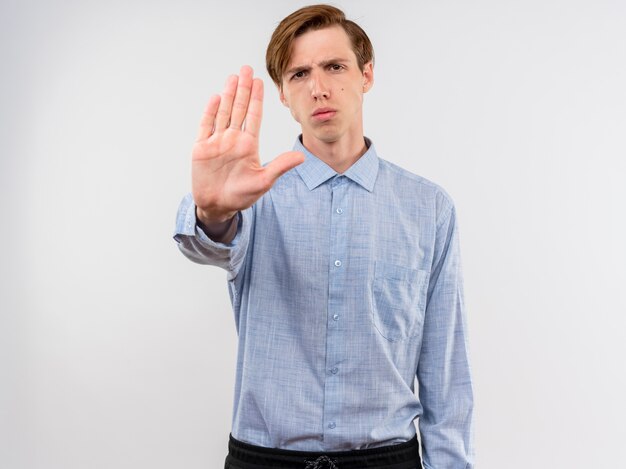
(242, 97)
(281, 164)
(255, 109)
(226, 103)
(208, 118)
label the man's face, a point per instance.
(323, 86)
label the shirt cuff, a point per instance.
(187, 225)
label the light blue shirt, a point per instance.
(345, 288)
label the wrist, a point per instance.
(217, 228)
(213, 219)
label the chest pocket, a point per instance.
(399, 300)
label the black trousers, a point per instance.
(246, 456)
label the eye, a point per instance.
(298, 75)
(336, 67)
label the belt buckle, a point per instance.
(322, 462)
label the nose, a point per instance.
(319, 88)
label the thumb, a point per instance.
(283, 163)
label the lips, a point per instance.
(324, 113)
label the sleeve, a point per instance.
(443, 371)
(199, 248)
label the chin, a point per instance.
(327, 135)
(328, 138)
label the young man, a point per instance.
(343, 270)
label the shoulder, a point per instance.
(413, 186)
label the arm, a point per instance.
(226, 175)
(443, 372)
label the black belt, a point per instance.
(246, 456)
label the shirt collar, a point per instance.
(315, 172)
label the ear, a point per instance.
(368, 76)
(282, 97)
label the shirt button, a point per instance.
(338, 263)
(334, 370)
(335, 316)
(331, 425)
(339, 211)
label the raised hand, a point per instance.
(227, 175)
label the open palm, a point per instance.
(227, 175)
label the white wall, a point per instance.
(116, 352)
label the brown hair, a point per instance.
(312, 18)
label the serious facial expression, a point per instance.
(323, 86)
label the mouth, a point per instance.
(323, 114)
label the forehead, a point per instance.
(321, 44)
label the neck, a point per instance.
(340, 154)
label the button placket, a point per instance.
(335, 335)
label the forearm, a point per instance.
(446, 395)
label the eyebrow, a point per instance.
(323, 63)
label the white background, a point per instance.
(117, 352)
